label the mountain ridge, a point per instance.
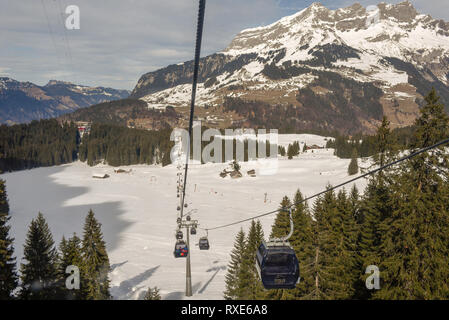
(25, 101)
(393, 48)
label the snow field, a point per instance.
(138, 213)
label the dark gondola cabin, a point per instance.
(277, 266)
(179, 235)
(193, 231)
(181, 249)
(204, 243)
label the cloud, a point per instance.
(120, 40)
(3, 72)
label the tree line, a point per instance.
(37, 144)
(119, 146)
(365, 145)
(400, 224)
(48, 143)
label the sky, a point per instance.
(119, 40)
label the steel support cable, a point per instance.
(445, 141)
(50, 29)
(199, 36)
(61, 16)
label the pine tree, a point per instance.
(323, 210)
(414, 251)
(353, 167)
(384, 145)
(281, 151)
(290, 152)
(355, 203)
(96, 261)
(302, 243)
(250, 286)
(347, 232)
(8, 275)
(281, 226)
(71, 256)
(296, 148)
(39, 273)
(375, 209)
(335, 241)
(232, 276)
(152, 294)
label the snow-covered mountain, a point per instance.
(25, 101)
(326, 69)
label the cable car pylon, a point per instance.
(199, 36)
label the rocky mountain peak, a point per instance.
(402, 12)
(384, 58)
(399, 24)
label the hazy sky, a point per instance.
(120, 40)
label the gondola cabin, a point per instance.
(277, 266)
(179, 235)
(181, 249)
(204, 243)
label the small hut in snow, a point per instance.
(252, 173)
(119, 170)
(100, 176)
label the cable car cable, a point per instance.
(50, 29)
(337, 186)
(65, 32)
(199, 36)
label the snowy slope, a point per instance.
(138, 212)
(399, 32)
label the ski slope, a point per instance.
(138, 213)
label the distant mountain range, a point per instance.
(317, 69)
(24, 101)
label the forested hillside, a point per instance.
(365, 145)
(399, 223)
(123, 146)
(38, 144)
(125, 112)
(335, 104)
(22, 102)
(48, 143)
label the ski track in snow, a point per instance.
(138, 213)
